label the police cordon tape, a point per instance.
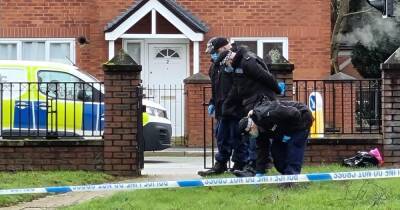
(314, 177)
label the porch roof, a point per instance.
(184, 15)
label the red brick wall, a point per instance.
(305, 22)
(317, 154)
(63, 19)
(42, 155)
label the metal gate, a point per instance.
(139, 134)
(172, 98)
(209, 126)
(209, 131)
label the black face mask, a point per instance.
(214, 56)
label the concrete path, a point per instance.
(155, 168)
(181, 152)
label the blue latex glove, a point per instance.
(229, 69)
(282, 86)
(211, 109)
(286, 138)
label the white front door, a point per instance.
(167, 64)
(167, 68)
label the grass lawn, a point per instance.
(362, 194)
(45, 179)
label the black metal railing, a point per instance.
(139, 133)
(51, 109)
(172, 99)
(209, 134)
(342, 106)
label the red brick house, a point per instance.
(48, 30)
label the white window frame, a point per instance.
(125, 43)
(19, 46)
(260, 43)
(47, 41)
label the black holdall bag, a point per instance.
(373, 158)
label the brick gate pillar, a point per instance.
(391, 109)
(283, 72)
(122, 103)
(197, 92)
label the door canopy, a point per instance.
(156, 19)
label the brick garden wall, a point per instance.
(51, 155)
(326, 151)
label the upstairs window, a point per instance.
(268, 48)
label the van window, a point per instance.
(156, 112)
(13, 75)
(14, 82)
(62, 85)
(59, 85)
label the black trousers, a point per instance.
(288, 156)
(263, 150)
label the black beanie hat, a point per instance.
(219, 42)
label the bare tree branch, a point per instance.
(342, 8)
(359, 12)
(333, 7)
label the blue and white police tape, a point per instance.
(314, 177)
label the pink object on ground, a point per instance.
(375, 152)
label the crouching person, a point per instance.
(288, 123)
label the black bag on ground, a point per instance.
(361, 159)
